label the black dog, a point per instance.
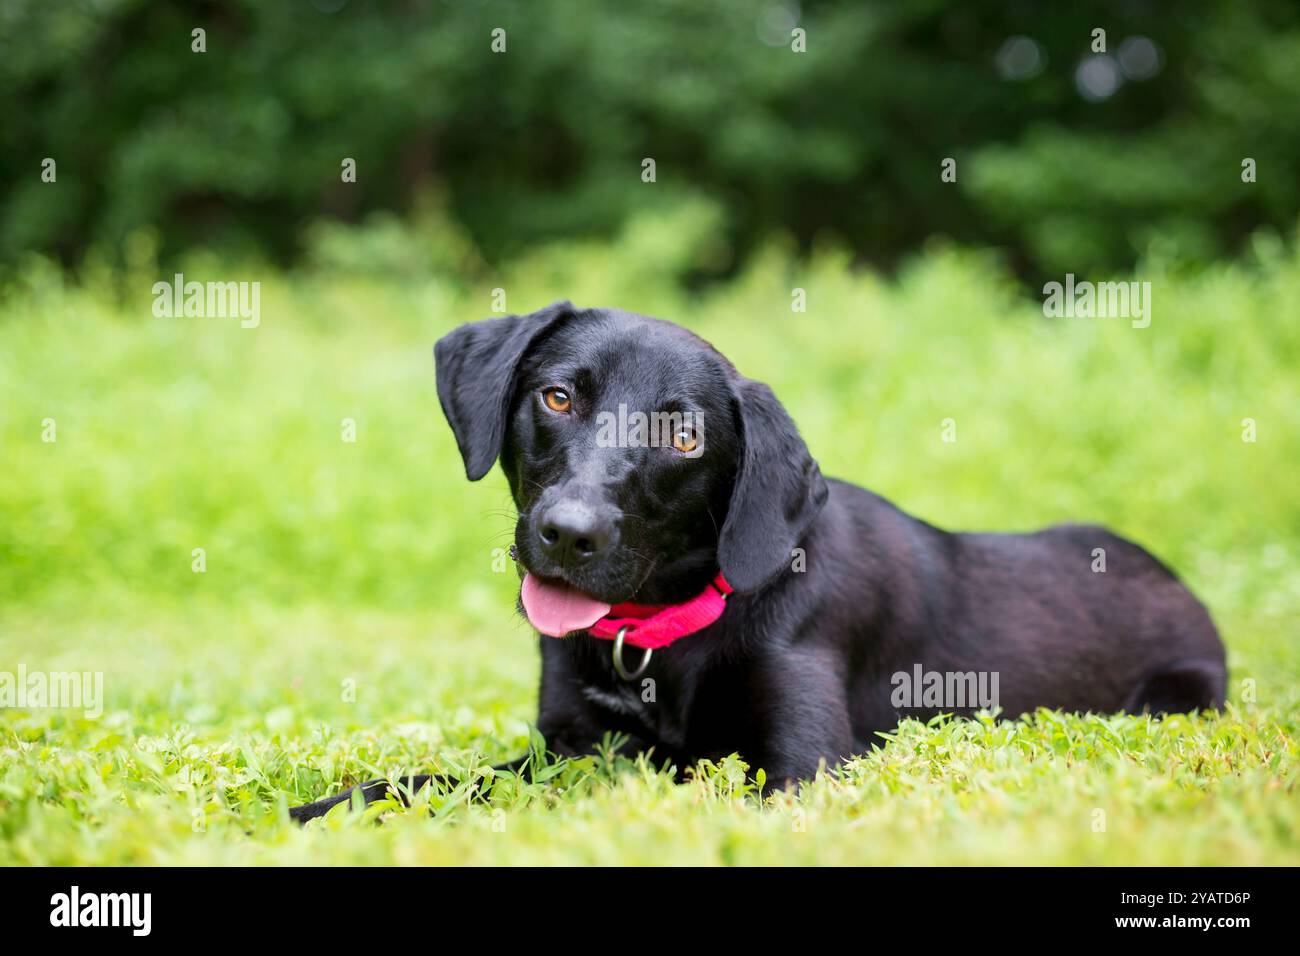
(840, 602)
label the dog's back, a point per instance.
(1071, 617)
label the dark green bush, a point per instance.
(239, 148)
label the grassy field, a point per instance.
(351, 621)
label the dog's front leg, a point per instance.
(801, 704)
(572, 724)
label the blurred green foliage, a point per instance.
(180, 430)
(239, 148)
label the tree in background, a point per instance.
(1067, 157)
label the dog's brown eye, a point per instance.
(685, 441)
(557, 399)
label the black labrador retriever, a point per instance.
(788, 617)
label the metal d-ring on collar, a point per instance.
(618, 658)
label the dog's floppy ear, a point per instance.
(779, 491)
(476, 368)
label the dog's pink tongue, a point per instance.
(557, 609)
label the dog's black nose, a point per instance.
(573, 531)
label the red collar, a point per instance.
(658, 625)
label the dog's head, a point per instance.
(640, 461)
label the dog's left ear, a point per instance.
(476, 368)
(779, 491)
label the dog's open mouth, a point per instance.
(555, 608)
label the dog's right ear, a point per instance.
(476, 368)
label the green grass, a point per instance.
(350, 622)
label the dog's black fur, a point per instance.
(798, 669)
